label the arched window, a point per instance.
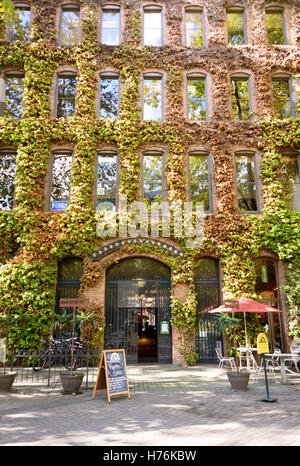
(200, 179)
(109, 95)
(153, 177)
(152, 30)
(276, 28)
(240, 96)
(107, 179)
(7, 179)
(196, 97)
(66, 94)
(70, 25)
(246, 181)
(284, 104)
(194, 26)
(236, 26)
(11, 94)
(20, 28)
(110, 25)
(153, 97)
(59, 193)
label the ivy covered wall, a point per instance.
(28, 277)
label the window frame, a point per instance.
(196, 9)
(67, 152)
(289, 79)
(103, 153)
(3, 84)
(243, 77)
(69, 7)
(23, 5)
(14, 152)
(296, 156)
(202, 153)
(162, 154)
(237, 9)
(203, 77)
(248, 152)
(148, 76)
(277, 9)
(111, 75)
(108, 7)
(64, 74)
(153, 8)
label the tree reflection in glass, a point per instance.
(70, 21)
(106, 179)
(7, 178)
(14, 87)
(152, 26)
(61, 179)
(240, 99)
(196, 99)
(275, 27)
(153, 179)
(282, 102)
(199, 180)
(110, 32)
(66, 95)
(152, 109)
(109, 97)
(194, 27)
(236, 27)
(19, 29)
(291, 181)
(246, 183)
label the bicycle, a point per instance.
(58, 352)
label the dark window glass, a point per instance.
(70, 269)
(291, 181)
(138, 268)
(246, 182)
(196, 99)
(110, 31)
(240, 99)
(19, 30)
(282, 98)
(236, 27)
(61, 181)
(206, 269)
(153, 179)
(152, 109)
(66, 96)
(194, 34)
(14, 87)
(152, 26)
(200, 180)
(7, 179)
(275, 27)
(70, 21)
(109, 97)
(106, 179)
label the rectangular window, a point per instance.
(12, 88)
(152, 104)
(200, 185)
(291, 181)
(194, 30)
(246, 182)
(196, 98)
(153, 179)
(61, 181)
(20, 28)
(236, 26)
(275, 26)
(7, 179)
(152, 26)
(109, 96)
(283, 104)
(110, 28)
(241, 108)
(70, 26)
(66, 96)
(107, 179)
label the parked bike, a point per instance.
(59, 353)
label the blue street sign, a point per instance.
(59, 205)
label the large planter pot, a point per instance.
(71, 383)
(239, 380)
(6, 381)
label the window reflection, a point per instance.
(14, 87)
(240, 98)
(109, 96)
(152, 26)
(107, 179)
(7, 178)
(194, 27)
(236, 27)
(61, 181)
(275, 26)
(199, 180)
(110, 31)
(66, 96)
(152, 109)
(19, 30)
(196, 98)
(283, 104)
(153, 179)
(70, 21)
(246, 182)
(291, 181)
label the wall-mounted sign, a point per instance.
(164, 328)
(83, 303)
(59, 205)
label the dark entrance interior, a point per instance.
(137, 310)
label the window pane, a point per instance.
(196, 99)
(194, 27)
(291, 182)
(152, 99)
(110, 33)
(61, 181)
(20, 29)
(240, 99)
(7, 178)
(153, 179)
(206, 269)
(70, 269)
(106, 179)
(282, 101)
(14, 86)
(275, 27)
(66, 95)
(199, 180)
(109, 97)
(152, 28)
(236, 28)
(246, 183)
(70, 27)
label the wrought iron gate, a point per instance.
(65, 289)
(125, 301)
(208, 335)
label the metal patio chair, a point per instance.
(224, 360)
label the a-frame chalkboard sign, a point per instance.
(112, 374)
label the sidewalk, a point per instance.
(169, 406)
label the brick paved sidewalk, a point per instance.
(169, 407)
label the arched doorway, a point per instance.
(207, 287)
(137, 310)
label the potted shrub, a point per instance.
(238, 380)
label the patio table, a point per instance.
(282, 357)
